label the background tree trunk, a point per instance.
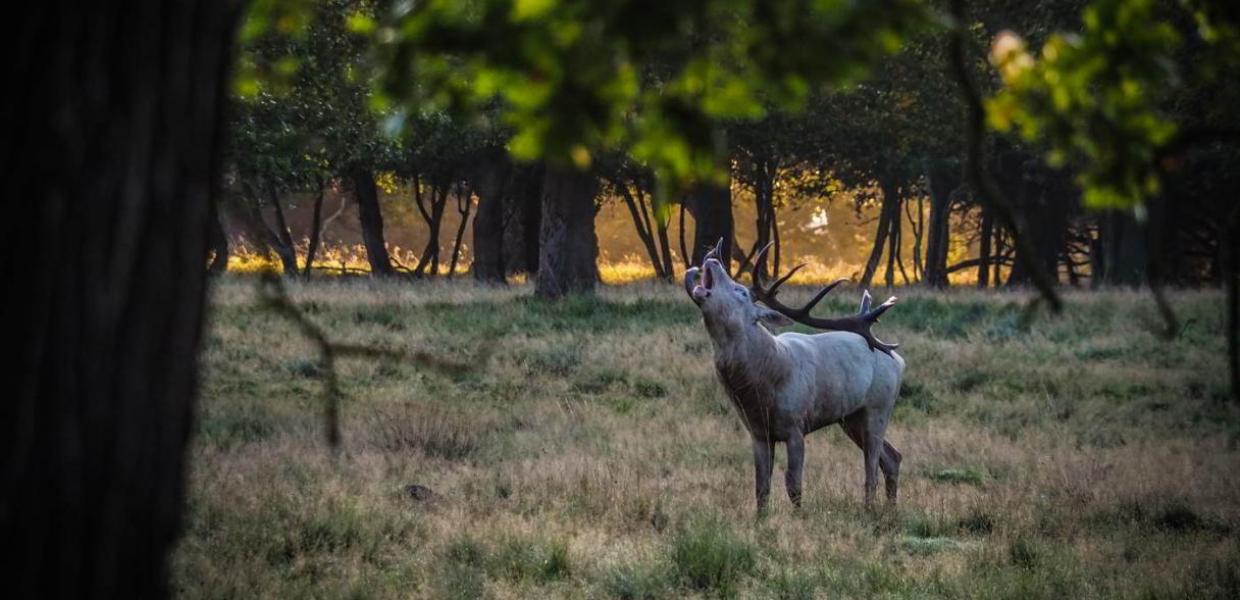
(492, 185)
(112, 145)
(371, 219)
(217, 241)
(429, 261)
(568, 257)
(711, 207)
(943, 181)
(316, 228)
(523, 220)
(1123, 244)
(464, 203)
(888, 213)
(987, 235)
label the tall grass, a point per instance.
(595, 455)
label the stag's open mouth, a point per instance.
(705, 281)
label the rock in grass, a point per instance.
(419, 493)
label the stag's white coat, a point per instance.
(786, 386)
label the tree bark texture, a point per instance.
(371, 219)
(492, 185)
(112, 146)
(942, 182)
(889, 212)
(711, 207)
(523, 220)
(568, 247)
(217, 241)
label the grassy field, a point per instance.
(595, 455)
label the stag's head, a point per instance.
(725, 304)
(729, 307)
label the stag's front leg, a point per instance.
(796, 460)
(762, 455)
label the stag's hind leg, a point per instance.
(888, 458)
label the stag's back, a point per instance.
(840, 374)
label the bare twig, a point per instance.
(275, 297)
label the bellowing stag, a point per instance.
(786, 386)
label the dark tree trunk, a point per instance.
(764, 213)
(644, 225)
(217, 241)
(918, 225)
(316, 229)
(666, 248)
(983, 265)
(568, 257)
(112, 147)
(429, 261)
(1044, 206)
(371, 219)
(942, 182)
(491, 186)
(886, 215)
(464, 202)
(282, 238)
(893, 246)
(1123, 244)
(684, 250)
(711, 206)
(523, 220)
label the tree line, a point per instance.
(896, 135)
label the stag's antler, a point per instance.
(859, 323)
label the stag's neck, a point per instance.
(748, 349)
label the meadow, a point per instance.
(590, 452)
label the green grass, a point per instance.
(594, 455)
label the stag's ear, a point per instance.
(772, 318)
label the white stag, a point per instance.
(789, 385)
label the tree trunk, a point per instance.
(429, 261)
(918, 225)
(643, 226)
(112, 145)
(942, 182)
(316, 229)
(684, 250)
(983, 265)
(282, 238)
(568, 257)
(491, 186)
(464, 202)
(666, 248)
(711, 206)
(523, 220)
(371, 219)
(885, 216)
(1123, 246)
(217, 241)
(893, 245)
(1047, 231)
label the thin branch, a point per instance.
(274, 296)
(978, 175)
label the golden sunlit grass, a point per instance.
(351, 260)
(596, 456)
